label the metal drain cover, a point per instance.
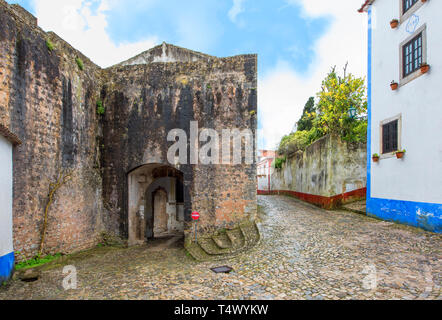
(224, 269)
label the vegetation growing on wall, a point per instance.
(62, 179)
(36, 262)
(331, 114)
(100, 108)
(279, 162)
(80, 64)
(50, 45)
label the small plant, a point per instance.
(50, 45)
(394, 85)
(376, 157)
(394, 23)
(100, 108)
(279, 162)
(400, 154)
(425, 67)
(37, 261)
(80, 64)
(209, 86)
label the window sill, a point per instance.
(413, 76)
(404, 17)
(388, 156)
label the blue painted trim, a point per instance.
(6, 266)
(427, 216)
(369, 106)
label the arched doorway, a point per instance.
(156, 204)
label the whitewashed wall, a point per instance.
(264, 170)
(6, 246)
(418, 177)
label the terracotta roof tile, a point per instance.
(365, 5)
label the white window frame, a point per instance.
(381, 136)
(416, 74)
(410, 12)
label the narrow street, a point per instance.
(305, 253)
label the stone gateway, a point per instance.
(108, 128)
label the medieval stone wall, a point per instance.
(327, 173)
(144, 102)
(50, 104)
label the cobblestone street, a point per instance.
(305, 253)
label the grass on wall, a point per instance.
(80, 64)
(36, 262)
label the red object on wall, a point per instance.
(321, 201)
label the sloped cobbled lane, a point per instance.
(305, 253)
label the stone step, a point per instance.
(251, 234)
(225, 245)
(237, 238)
(211, 248)
(359, 207)
(222, 241)
(197, 252)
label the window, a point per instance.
(390, 137)
(408, 8)
(407, 4)
(412, 55)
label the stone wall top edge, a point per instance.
(185, 67)
(202, 62)
(55, 37)
(23, 22)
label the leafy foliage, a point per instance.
(308, 115)
(50, 45)
(294, 142)
(279, 162)
(338, 95)
(80, 64)
(331, 115)
(37, 261)
(100, 108)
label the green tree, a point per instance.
(331, 115)
(338, 95)
(296, 141)
(308, 115)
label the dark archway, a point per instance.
(156, 203)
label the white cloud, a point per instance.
(236, 10)
(74, 21)
(283, 92)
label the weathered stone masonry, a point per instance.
(50, 104)
(328, 173)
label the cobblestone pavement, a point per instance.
(305, 253)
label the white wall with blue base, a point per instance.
(6, 243)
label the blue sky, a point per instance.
(297, 41)
(274, 29)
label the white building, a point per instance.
(265, 170)
(407, 190)
(7, 142)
